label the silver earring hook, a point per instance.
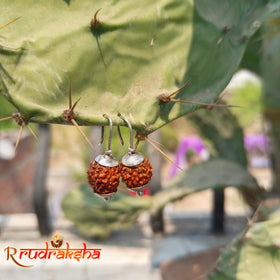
(109, 152)
(102, 135)
(120, 135)
(130, 149)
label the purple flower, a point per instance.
(193, 143)
(256, 143)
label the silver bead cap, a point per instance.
(132, 159)
(139, 190)
(106, 197)
(106, 160)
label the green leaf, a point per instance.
(270, 66)
(212, 174)
(222, 132)
(252, 55)
(97, 218)
(224, 138)
(140, 50)
(254, 254)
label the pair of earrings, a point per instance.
(105, 171)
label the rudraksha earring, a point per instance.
(136, 170)
(104, 172)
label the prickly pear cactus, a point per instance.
(133, 52)
(270, 63)
(95, 218)
(212, 174)
(254, 254)
(220, 127)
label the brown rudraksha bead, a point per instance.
(138, 175)
(103, 179)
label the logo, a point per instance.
(56, 241)
(56, 251)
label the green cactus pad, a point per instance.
(139, 50)
(254, 254)
(97, 218)
(270, 72)
(212, 174)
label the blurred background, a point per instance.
(43, 189)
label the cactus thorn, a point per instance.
(32, 132)
(7, 118)
(69, 116)
(95, 21)
(4, 25)
(142, 137)
(156, 142)
(209, 107)
(219, 41)
(19, 136)
(82, 133)
(131, 117)
(167, 98)
(143, 123)
(21, 122)
(71, 111)
(146, 125)
(179, 89)
(227, 29)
